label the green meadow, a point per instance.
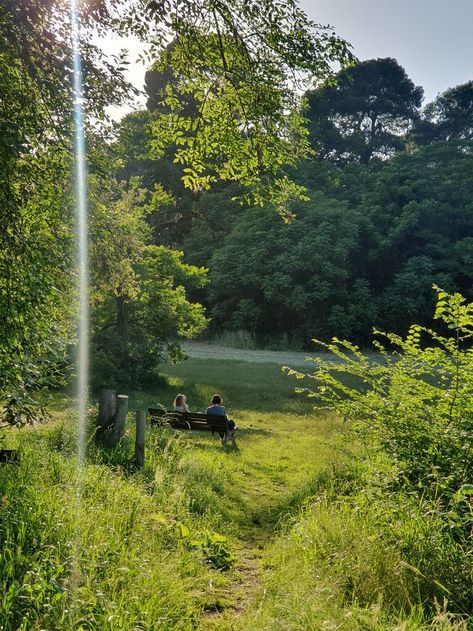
(279, 531)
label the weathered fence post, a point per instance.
(140, 438)
(111, 418)
(107, 407)
(119, 419)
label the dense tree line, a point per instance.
(373, 190)
(389, 213)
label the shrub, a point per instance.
(415, 403)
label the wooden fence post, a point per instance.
(140, 438)
(107, 408)
(111, 428)
(120, 418)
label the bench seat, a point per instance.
(195, 421)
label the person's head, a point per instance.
(180, 400)
(216, 399)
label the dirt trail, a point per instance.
(200, 350)
(236, 596)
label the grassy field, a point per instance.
(275, 532)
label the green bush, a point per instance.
(414, 404)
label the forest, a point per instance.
(276, 194)
(388, 214)
(380, 212)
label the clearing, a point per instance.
(282, 448)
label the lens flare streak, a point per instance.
(82, 245)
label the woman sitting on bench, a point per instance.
(218, 409)
(180, 404)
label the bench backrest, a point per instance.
(190, 420)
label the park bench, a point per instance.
(195, 421)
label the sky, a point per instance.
(431, 39)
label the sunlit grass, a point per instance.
(276, 532)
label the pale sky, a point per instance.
(432, 39)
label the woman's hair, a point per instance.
(179, 400)
(216, 399)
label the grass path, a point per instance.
(145, 557)
(281, 450)
(200, 350)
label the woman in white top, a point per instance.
(180, 404)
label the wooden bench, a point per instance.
(195, 421)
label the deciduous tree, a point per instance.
(449, 117)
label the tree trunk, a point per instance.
(140, 439)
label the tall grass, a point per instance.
(279, 532)
(357, 562)
(236, 339)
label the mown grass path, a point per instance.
(200, 350)
(282, 448)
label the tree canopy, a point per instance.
(366, 113)
(449, 117)
(243, 64)
(364, 251)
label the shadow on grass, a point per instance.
(256, 387)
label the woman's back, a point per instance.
(180, 404)
(181, 408)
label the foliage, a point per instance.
(367, 256)
(365, 114)
(35, 207)
(34, 244)
(449, 117)
(290, 278)
(415, 405)
(230, 93)
(139, 304)
(188, 221)
(23, 410)
(417, 230)
(36, 41)
(36, 261)
(407, 226)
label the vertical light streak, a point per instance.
(82, 235)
